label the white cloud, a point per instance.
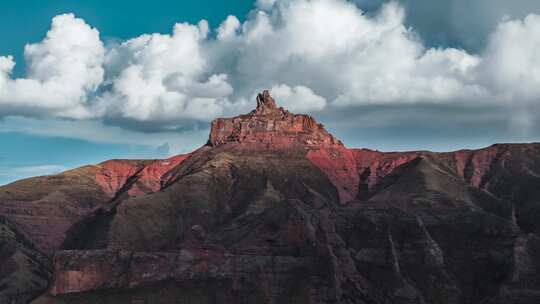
(164, 79)
(511, 65)
(62, 70)
(298, 99)
(314, 54)
(349, 57)
(228, 28)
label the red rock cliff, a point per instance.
(270, 125)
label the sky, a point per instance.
(86, 81)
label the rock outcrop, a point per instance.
(271, 127)
(274, 209)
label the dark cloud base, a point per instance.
(430, 127)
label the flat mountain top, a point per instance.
(270, 126)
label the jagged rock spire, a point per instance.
(265, 104)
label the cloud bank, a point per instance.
(459, 23)
(324, 56)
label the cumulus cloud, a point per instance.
(228, 28)
(349, 58)
(315, 55)
(298, 99)
(164, 79)
(511, 63)
(63, 70)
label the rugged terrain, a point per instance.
(274, 209)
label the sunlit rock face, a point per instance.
(271, 127)
(274, 209)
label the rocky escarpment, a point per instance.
(274, 209)
(270, 127)
(141, 176)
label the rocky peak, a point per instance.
(266, 104)
(272, 126)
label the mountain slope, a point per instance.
(274, 209)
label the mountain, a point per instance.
(274, 209)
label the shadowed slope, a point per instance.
(274, 209)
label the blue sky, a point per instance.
(86, 81)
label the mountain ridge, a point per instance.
(274, 209)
